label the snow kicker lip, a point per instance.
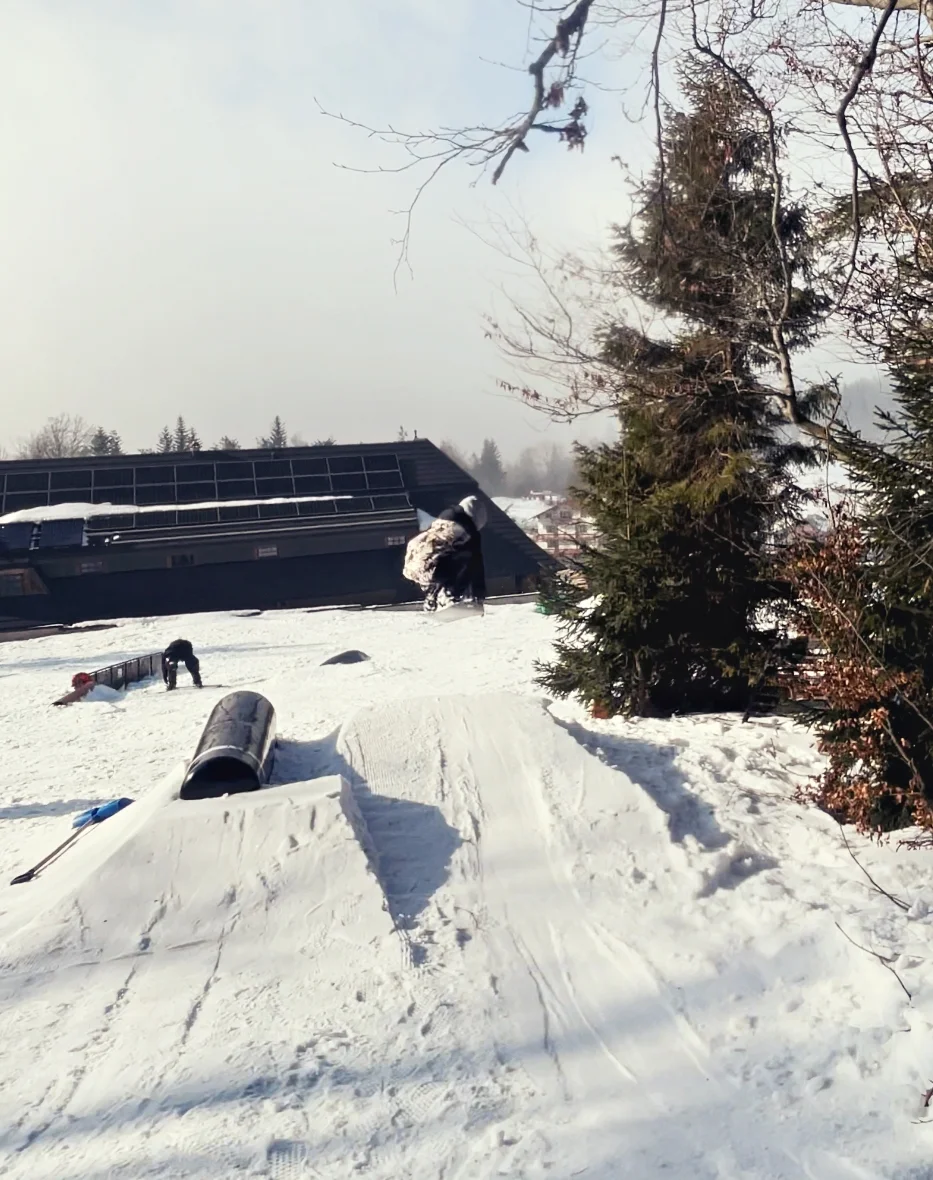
(236, 750)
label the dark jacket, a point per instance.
(460, 569)
(178, 652)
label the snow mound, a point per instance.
(205, 914)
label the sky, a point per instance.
(185, 233)
(179, 238)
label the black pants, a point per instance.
(170, 670)
(453, 574)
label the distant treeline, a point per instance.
(541, 468)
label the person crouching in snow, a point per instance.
(81, 685)
(446, 560)
(180, 652)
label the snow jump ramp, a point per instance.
(236, 750)
(188, 961)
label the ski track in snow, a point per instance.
(523, 943)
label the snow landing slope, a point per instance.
(563, 883)
(611, 949)
(176, 977)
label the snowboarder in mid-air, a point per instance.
(446, 560)
(180, 652)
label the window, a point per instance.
(396, 539)
(266, 551)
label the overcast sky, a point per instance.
(178, 239)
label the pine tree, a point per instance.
(105, 442)
(166, 443)
(228, 444)
(687, 503)
(488, 470)
(277, 438)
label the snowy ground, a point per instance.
(598, 949)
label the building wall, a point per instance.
(558, 527)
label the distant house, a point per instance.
(553, 522)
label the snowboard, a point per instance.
(456, 611)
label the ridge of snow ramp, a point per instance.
(208, 963)
(535, 889)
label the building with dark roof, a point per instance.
(133, 535)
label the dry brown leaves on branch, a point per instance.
(872, 779)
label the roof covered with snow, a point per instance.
(523, 509)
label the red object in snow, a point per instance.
(80, 679)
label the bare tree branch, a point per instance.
(863, 68)
(924, 7)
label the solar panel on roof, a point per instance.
(61, 534)
(70, 480)
(384, 479)
(349, 483)
(113, 477)
(344, 463)
(16, 536)
(384, 462)
(17, 501)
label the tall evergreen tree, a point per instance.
(105, 442)
(488, 470)
(687, 502)
(185, 438)
(277, 438)
(166, 444)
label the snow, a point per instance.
(82, 511)
(466, 933)
(523, 510)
